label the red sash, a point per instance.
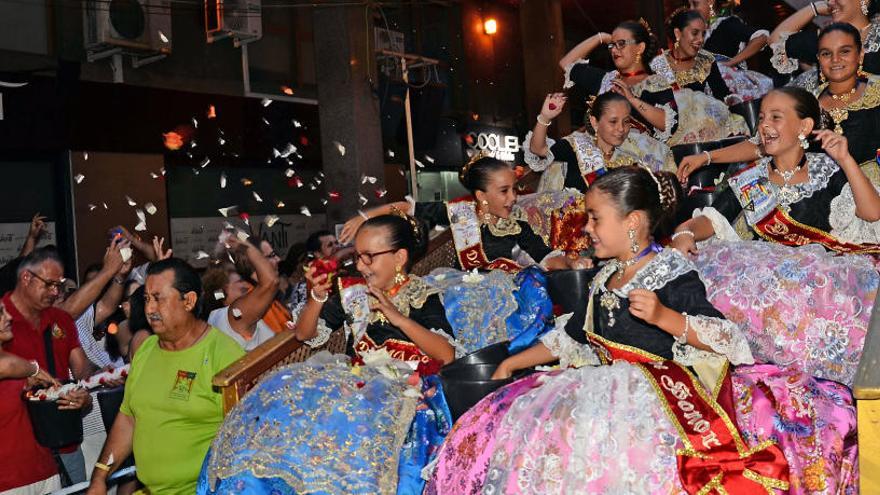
(473, 256)
(781, 228)
(715, 457)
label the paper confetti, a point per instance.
(270, 220)
(339, 147)
(163, 37)
(430, 159)
(222, 180)
(266, 121)
(313, 187)
(92, 207)
(221, 141)
(334, 195)
(294, 181)
(390, 154)
(130, 201)
(324, 201)
(305, 211)
(245, 217)
(246, 182)
(105, 206)
(381, 192)
(85, 155)
(140, 227)
(367, 178)
(265, 102)
(219, 295)
(297, 124)
(257, 197)
(229, 210)
(195, 122)
(288, 150)
(79, 178)
(289, 173)
(140, 215)
(420, 164)
(205, 162)
(362, 199)
(201, 255)
(154, 175)
(125, 253)
(236, 313)
(280, 204)
(151, 208)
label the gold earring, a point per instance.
(864, 5)
(822, 79)
(487, 217)
(862, 72)
(675, 45)
(711, 11)
(399, 277)
(633, 244)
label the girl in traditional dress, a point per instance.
(610, 142)
(801, 305)
(728, 35)
(849, 97)
(657, 394)
(509, 300)
(331, 424)
(795, 44)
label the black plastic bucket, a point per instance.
(465, 385)
(749, 111)
(682, 150)
(54, 428)
(570, 290)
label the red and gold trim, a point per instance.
(398, 349)
(779, 227)
(468, 239)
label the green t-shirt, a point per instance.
(176, 411)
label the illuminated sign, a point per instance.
(500, 146)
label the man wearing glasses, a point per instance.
(38, 327)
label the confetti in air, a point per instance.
(305, 211)
(324, 201)
(205, 162)
(257, 197)
(79, 178)
(163, 37)
(151, 208)
(367, 178)
(381, 192)
(246, 182)
(222, 180)
(195, 123)
(280, 204)
(289, 173)
(270, 220)
(362, 199)
(390, 154)
(265, 102)
(85, 155)
(130, 201)
(92, 207)
(339, 147)
(297, 124)
(219, 295)
(201, 255)
(229, 210)
(429, 158)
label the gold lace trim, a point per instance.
(412, 295)
(503, 227)
(699, 72)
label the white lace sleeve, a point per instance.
(322, 337)
(780, 59)
(552, 254)
(723, 336)
(535, 162)
(568, 82)
(723, 229)
(671, 119)
(571, 353)
(459, 349)
(846, 226)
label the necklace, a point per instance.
(621, 266)
(606, 155)
(844, 97)
(839, 114)
(680, 60)
(634, 73)
(788, 194)
(609, 300)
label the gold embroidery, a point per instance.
(413, 294)
(870, 99)
(504, 227)
(699, 72)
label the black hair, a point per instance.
(600, 104)
(633, 188)
(681, 18)
(843, 27)
(805, 104)
(93, 268)
(403, 233)
(313, 242)
(137, 319)
(475, 177)
(186, 278)
(38, 257)
(641, 34)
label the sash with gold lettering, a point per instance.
(715, 457)
(356, 303)
(773, 223)
(468, 240)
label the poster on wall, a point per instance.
(193, 235)
(13, 235)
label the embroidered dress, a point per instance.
(859, 122)
(324, 427)
(591, 428)
(510, 302)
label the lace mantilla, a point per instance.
(535, 162)
(871, 42)
(870, 97)
(571, 353)
(589, 156)
(780, 59)
(667, 266)
(846, 226)
(568, 82)
(724, 337)
(819, 166)
(671, 119)
(696, 74)
(321, 337)
(503, 226)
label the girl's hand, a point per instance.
(689, 165)
(552, 107)
(622, 89)
(686, 244)
(159, 249)
(320, 284)
(502, 372)
(350, 229)
(384, 305)
(645, 305)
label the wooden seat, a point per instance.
(866, 390)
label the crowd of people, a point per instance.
(731, 261)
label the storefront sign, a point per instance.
(501, 146)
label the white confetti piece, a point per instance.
(297, 124)
(85, 155)
(289, 173)
(151, 208)
(110, 460)
(125, 253)
(205, 162)
(363, 215)
(140, 215)
(324, 201)
(305, 211)
(362, 199)
(130, 201)
(140, 227)
(163, 37)
(339, 147)
(270, 220)
(420, 164)
(195, 122)
(201, 255)
(390, 154)
(381, 192)
(242, 235)
(162, 171)
(257, 197)
(266, 121)
(79, 178)
(219, 295)
(221, 141)
(223, 180)
(429, 158)
(92, 207)
(280, 204)
(236, 313)
(313, 186)
(288, 150)
(265, 102)
(275, 153)
(229, 210)
(368, 178)
(154, 175)
(105, 206)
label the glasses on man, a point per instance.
(620, 44)
(367, 258)
(50, 284)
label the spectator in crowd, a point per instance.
(38, 327)
(222, 285)
(277, 316)
(9, 271)
(27, 467)
(170, 413)
(242, 318)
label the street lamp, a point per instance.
(490, 26)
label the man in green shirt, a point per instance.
(170, 413)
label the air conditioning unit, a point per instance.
(133, 25)
(239, 19)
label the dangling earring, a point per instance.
(633, 244)
(861, 72)
(675, 46)
(399, 277)
(864, 5)
(803, 140)
(711, 11)
(487, 217)
(822, 79)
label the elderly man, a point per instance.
(47, 335)
(170, 412)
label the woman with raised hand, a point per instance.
(795, 43)
(728, 35)
(655, 394)
(360, 425)
(504, 297)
